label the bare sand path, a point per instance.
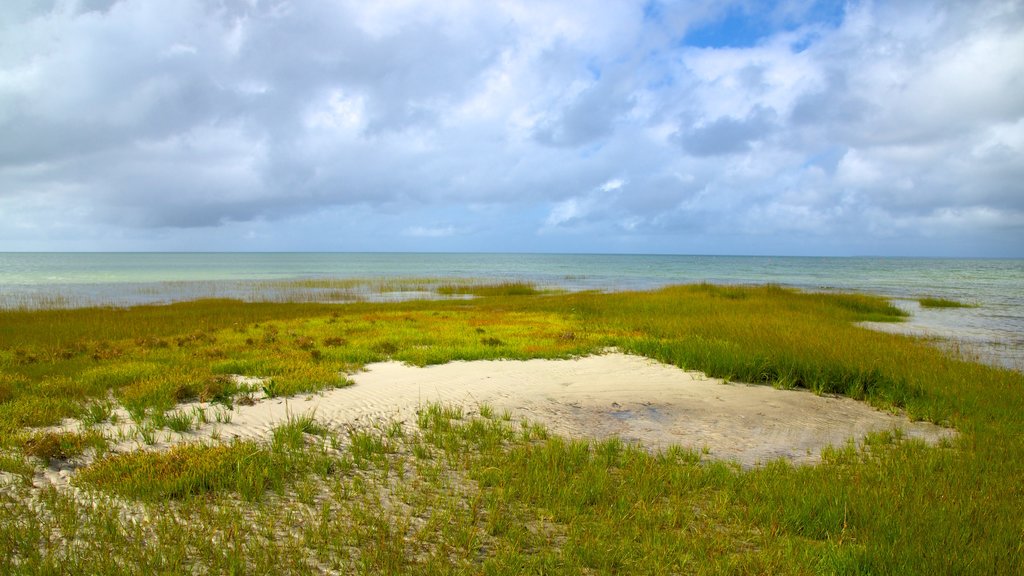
(634, 398)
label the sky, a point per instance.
(786, 127)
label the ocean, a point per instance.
(993, 329)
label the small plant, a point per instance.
(366, 446)
(421, 451)
(181, 421)
(147, 432)
(137, 411)
(97, 412)
(158, 418)
(271, 389)
(223, 416)
(394, 430)
(292, 433)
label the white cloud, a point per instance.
(339, 111)
(177, 49)
(593, 124)
(856, 170)
(613, 184)
(431, 231)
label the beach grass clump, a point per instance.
(17, 465)
(184, 470)
(293, 433)
(512, 288)
(35, 411)
(246, 468)
(932, 302)
(49, 446)
(98, 412)
(180, 421)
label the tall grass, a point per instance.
(942, 303)
(517, 288)
(471, 495)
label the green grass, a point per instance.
(489, 290)
(942, 303)
(485, 494)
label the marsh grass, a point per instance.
(943, 303)
(490, 290)
(49, 446)
(181, 421)
(467, 494)
(98, 412)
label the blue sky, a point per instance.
(791, 127)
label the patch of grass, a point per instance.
(929, 302)
(97, 412)
(271, 389)
(62, 445)
(17, 465)
(490, 290)
(10, 384)
(119, 375)
(367, 446)
(223, 416)
(33, 410)
(292, 433)
(180, 421)
(187, 470)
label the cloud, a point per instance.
(727, 135)
(731, 127)
(589, 117)
(431, 231)
(576, 211)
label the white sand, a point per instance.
(615, 394)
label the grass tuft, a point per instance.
(929, 302)
(490, 290)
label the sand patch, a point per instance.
(634, 398)
(599, 397)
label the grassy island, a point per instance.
(89, 483)
(931, 302)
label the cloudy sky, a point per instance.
(695, 127)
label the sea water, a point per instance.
(994, 328)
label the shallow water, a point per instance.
(994, 329)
